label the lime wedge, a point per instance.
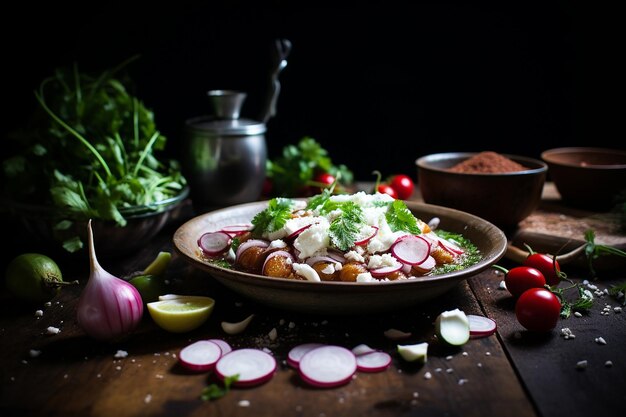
(182, 313)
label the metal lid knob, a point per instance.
(226, 103)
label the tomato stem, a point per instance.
(499, 268)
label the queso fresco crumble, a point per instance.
(352, 238)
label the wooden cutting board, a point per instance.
(557, 228)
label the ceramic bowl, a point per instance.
(590, 178)
(504, 199)
(341, 298)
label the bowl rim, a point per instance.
(547, 156)
(424, 162)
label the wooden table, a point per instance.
(512, 373)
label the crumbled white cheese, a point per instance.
(428, 375)
(578, 314)
(147, 399)
(33, 353)
(39, 313)
(120, 354)
(581, 364)
(502, 285)
(306, 271)
(53, 330)
(313, 239)
(365, 277)
(600, 340)
(608, 364)
(273, 334)
(380, 261)
(354, 256)
(244, 403)
(329, 269)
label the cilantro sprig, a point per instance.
(400, 218)
(216, 391)
(344, 228)
(273, 217)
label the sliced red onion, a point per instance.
(338, 256)
(274, 254)
(297, 352)
(300, 230)
(200, 356)
(385, 270)
(328, 366)
(453, 248)
(317, 259)
(250, 243)
(411, 249)
(253, 366)
(237, 229)
(224, 346)
(214, 243)
(373, 361)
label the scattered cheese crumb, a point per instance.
(33, 353)
(273, 334)
(437, 369)
(292, 325)
(39, 313)
(244, 403)
(428, 375)
(567, 334)
(462, 381)
(600, 341)
(502, 285)
(464, 353)
(99, 376)
(608, 364)
(47, 304)
(120, 354)
(581, 364)
(578, 314)
(487, 353)
(617, 309)
(449, 370)
(147, 398)
(158, 376)
(480, 365)
(449, 357)
(118, 368)
(53, 330)
(416, 394)
(66, 376)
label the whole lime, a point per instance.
(33, 277)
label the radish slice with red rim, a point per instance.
(338, 256)
(481, 326)
(200, 356)
(327, 366)
(367, 238)
(214, 243)
(250, 243)
(253, 367)
(237, 229)
(451, 247)
(373, 361)
(362, 349)
(224, 346)
(426, 266)
(282, 253)
(411, 249)
(300, 230)
(385, 270)
(297, 352)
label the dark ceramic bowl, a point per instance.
(503, 199)
(588, 178)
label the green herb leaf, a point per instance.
(319, 200)
(273, 217)
(216, 391)
(400, 218)
(344, 229)
(618, 289)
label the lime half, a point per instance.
(181, 313)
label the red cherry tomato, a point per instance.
(522, 278)
(403, 184)
(549, 268)
(538, 310)
(387, 189)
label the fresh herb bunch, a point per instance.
(294, 173)
(89, 151)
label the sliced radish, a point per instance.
(426, 266)
(237, 229)
(327, 366)
(385, 270)
(362, 349)
(214, 243)
(223, 345)
(406, 268)
(373, 361)
(200, 356)
(250, 243)
(481, 326)
(317, 259)
(252, 366)
(367, 238)
(411, 249)
(431, 238)
(295, 234)
(282, 253)
(297, 352)
(395, 334)
(451, 247)
(338, 256)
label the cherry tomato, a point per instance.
(538, 310)
(549, 268)
(522, 278)
(325, 178)
(387, 189)
(403, 184)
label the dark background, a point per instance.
(378, 85)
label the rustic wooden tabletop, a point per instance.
(511, 373)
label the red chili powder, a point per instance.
(487, 162)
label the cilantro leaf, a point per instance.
(344, 229)
(273, 217)
(400, 218)
(319, 199)
(215, 391)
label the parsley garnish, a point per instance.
(215, 391)
(319, 200)
(400, 218)
(273, 217)
(343, 230)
